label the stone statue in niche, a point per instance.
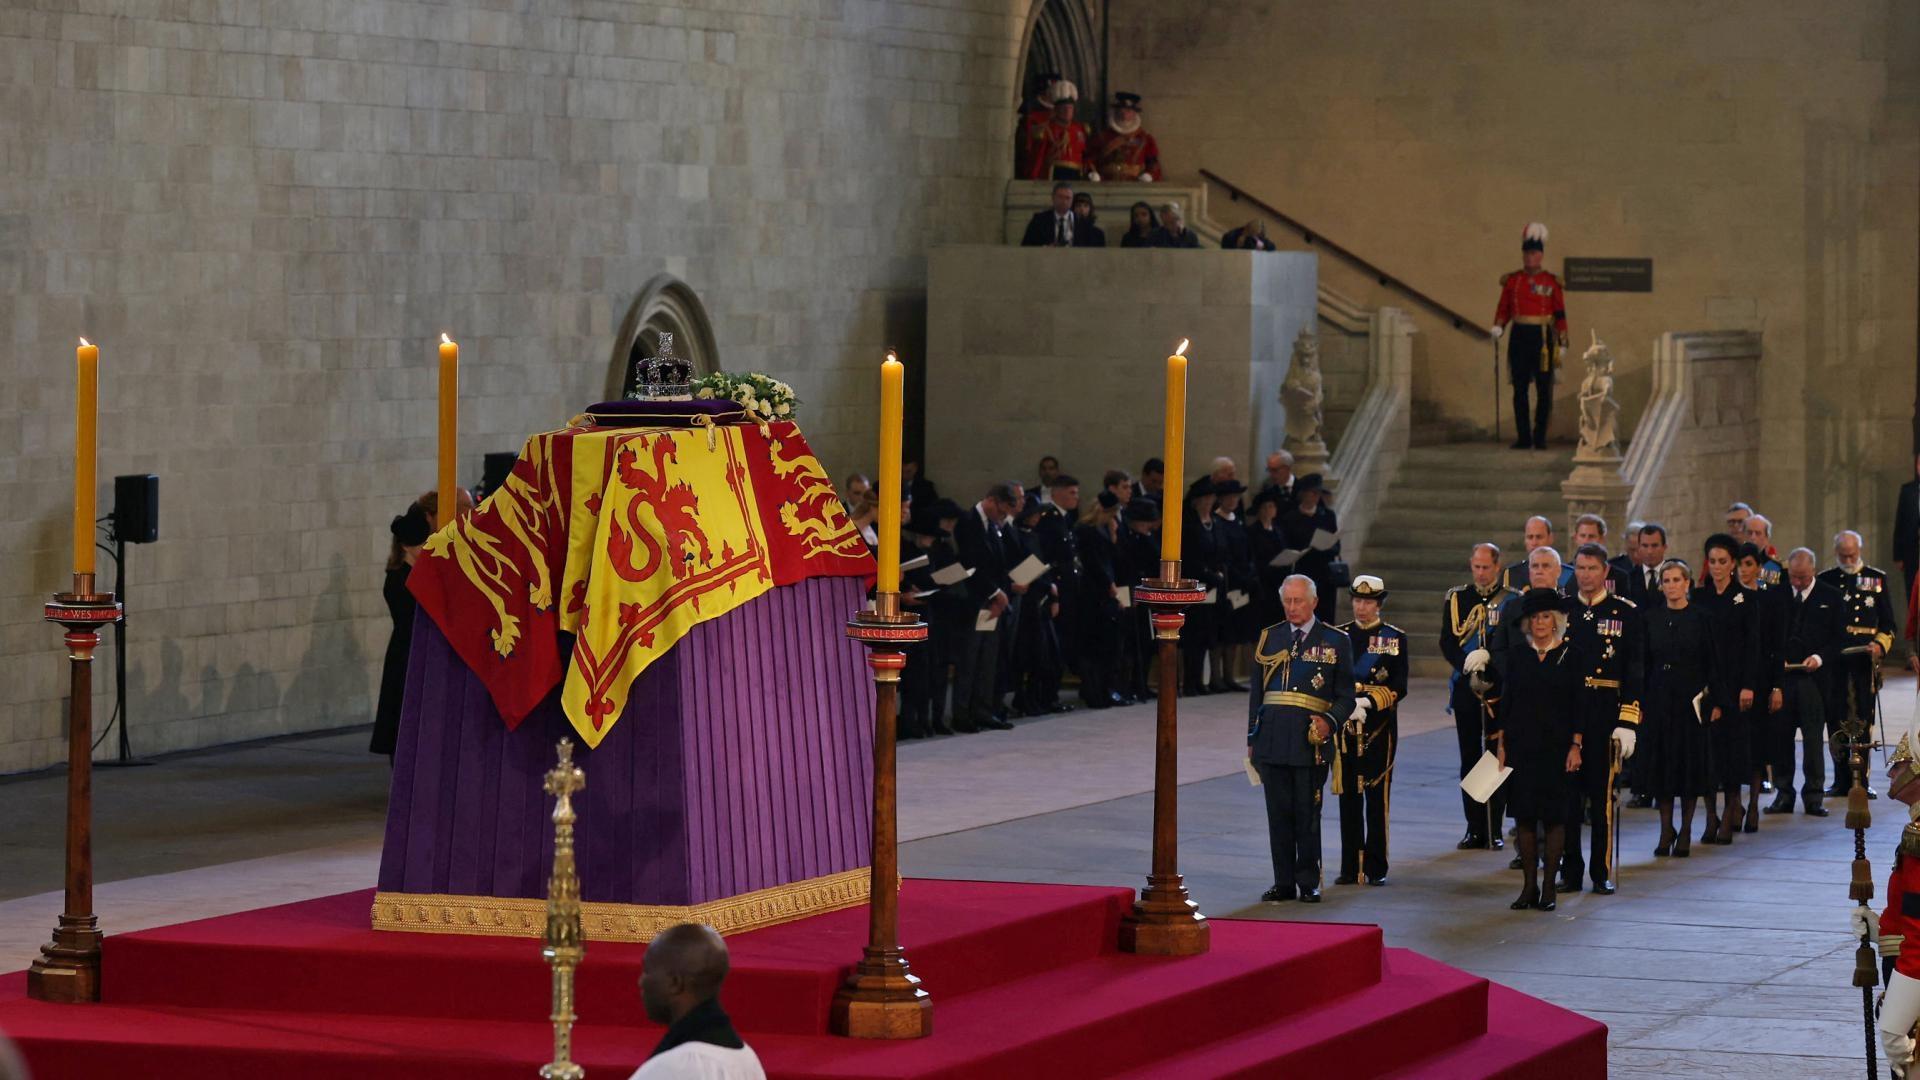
(1303, 395)
(1599, 412)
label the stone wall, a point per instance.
(1765, 155)
(1037, 351)
(265, 211)
(1713, 451)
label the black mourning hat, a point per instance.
(1538, 600)
(411, 528)
(1228, 486)
(1123, 99)
(1202, 486)
(1313, 481)
(1032, 506)
(1107, 499)
(942, 509)
(1143, 510)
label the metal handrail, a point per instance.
(1315, 238)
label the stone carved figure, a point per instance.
(1599, 412)
(1302, 394)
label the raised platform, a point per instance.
(1025, 981)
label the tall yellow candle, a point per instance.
(892, 380)
(85, 426)
(1174, 454)
(449, 430)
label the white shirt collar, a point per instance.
(1305, 628)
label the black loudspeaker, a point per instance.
(136, 508)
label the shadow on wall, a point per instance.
(331, 687)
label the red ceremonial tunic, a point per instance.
(1122, 156)
(1053, 144)
(1903, 908)
(1533, 298)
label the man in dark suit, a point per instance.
(1906, 535)
(1060, 226)
(1802, 699)
(1643, 577)
(1304, 690)
(980, 536)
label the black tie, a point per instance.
(1298, 637)
(1066, 239)
(1649, 584)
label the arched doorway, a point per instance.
(665, 305)
(1066, 37)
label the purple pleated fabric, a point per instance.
(743, 761)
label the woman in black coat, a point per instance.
(1265, 540)
(1236, 632)
(1203, 557)
(410, 530)
(1311, 514)
(1733, 626)
(1680, 672)
(1535, 699)
(1096, 540)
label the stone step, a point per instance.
(1442, 532)
(1412, 494)
(1392, 563)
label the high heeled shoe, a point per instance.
(1682, 848)
(1528, 898)
(1713, 828)
(1665, 846)
(1548, 899)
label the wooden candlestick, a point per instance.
(1164, 920)
(882, 998)
(68, 969)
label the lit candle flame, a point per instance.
(445, 340)
(891, 356)
(85, 342)
(1182, 350)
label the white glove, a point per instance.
(1093, 176)
(1898, 1010)
(1813, 662)
(1146, 178)
(1864, 921)
(1476, 661)
(1626, 737)
(1497, 331)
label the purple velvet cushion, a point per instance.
(664, 413)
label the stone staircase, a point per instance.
(1447, 497)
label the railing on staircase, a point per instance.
(1315, 238)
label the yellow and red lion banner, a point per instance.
(625, 538)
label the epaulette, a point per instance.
(1508, 276)
(1910, 840)
(1624, 600)
(1457, 588)
(1395, 629)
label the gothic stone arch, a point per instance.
(665, 305)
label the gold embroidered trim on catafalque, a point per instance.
(495, 916)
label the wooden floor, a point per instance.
(1732, 962)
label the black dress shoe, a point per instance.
(1766, 787)
(1814, 810)
(1097, 703)
(1117, 698)
(1471, 841)
(1309, 896)
(1571, 884)
(1835, 791)
(1782, 804)
(1497, 843)
(1347, 879)
(1521, 444)
(1603, 888)
(1517, 864)
(1547, 901)
(1528, 898)
(1276, 895)
(1228, 686)
(994, 723)
(1381, 880)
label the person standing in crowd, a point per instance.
(1249, 237)
(1592, 529)
(983, 541)
(1534, 308)
(1280, 480)
(1265, 541)
(1769, 621)
(1125, 151)
(1059, 226)
(1737, 516)
(1475, 621)
(1810, 641)
(1906, 533)
(1363, 777)
(1235, 630)
(1047, 468)
(410, 530)
(1760, 535)
(1679, 706)
(856, 493)
(950, 612)
(1536, 727)
(680, 982)
(1117, 483)
(1031, 654)
(1036, 111)
(1733, 629)
(1312, 514)
(1173, 229)
(1141, 229)
(1202, 558)
(1057, 149)
(1304, 690)
(1096, 610)
(1140, 560)
(1605, 628)
(1868, 604)
(1628, 561)
(918, 538)
(1643, 581)
(1153, 476)
(1536, 533)
(1083, 211)
(1053, 537)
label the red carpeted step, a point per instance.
(321, 956)
(1526, 1038)
(1418, 1008)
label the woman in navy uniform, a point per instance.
(1535, 713)
(1366, 743)
(1679, 706)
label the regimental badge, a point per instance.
(1319, 680)
(1869, 600)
